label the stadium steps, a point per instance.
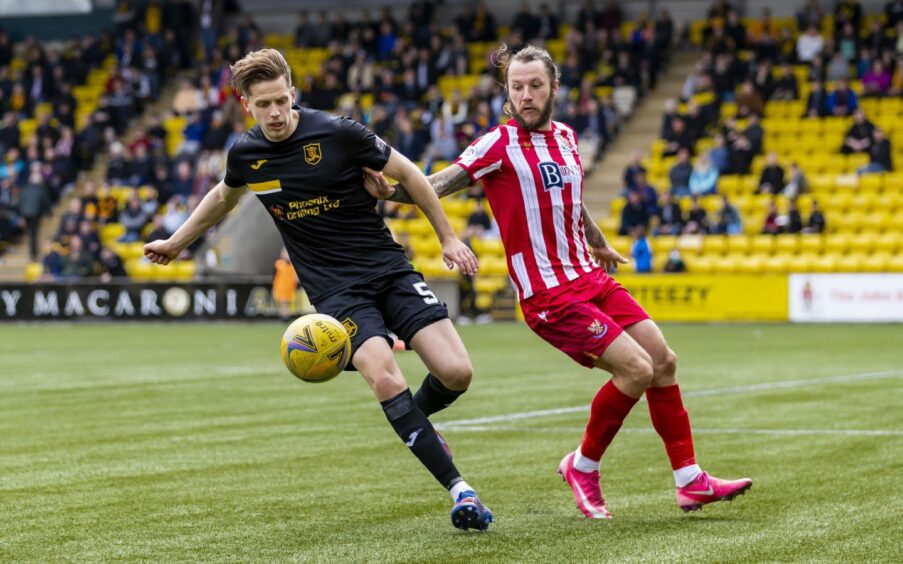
(638, 134)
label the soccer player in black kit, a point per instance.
(305, 167)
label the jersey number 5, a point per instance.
(428, 296)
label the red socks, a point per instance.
(607, 413)
(670, 419)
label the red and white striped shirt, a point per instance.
(534, 183)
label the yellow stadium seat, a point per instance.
(778, 264)
(787, 244)
(185, 270)
(893, 182)
(489, 246)
(621, 243)
(702, 264)
(763, 244)
(837, 244)
(849, 263)
(871, 182)
(895, 263)
(493, 265)
(426, 246)
(824, 263)
(489, 284)
(730, 185)
(714, 244)
(888, 242)
(848, 222)
(752, 264)
(803, 263)
(729, 264)
(862, 243)
(33, 271)
(690, 244)
(881, 221)
(139, 270)
(111, 232)
(876, 262)
(812, 243)
(663, 243)
(738, 244)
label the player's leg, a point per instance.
(376, 363)
(421, 320)
(441, 349)
(414, 313)
(695, 488)
(586, 334)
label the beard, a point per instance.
(543, 118)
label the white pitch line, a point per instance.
(688, 394)
(789, 432)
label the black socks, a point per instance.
(433, 396)
(418, 434)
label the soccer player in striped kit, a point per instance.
(558, 260)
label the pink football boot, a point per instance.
(586, 489)
(709, 489)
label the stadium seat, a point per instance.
(185, 270)
(849, 263)
(877, 262)
(738, 244)
(702, 264)
(763, 244)
(837, 244)
(715, 245)
(778, 264)
(888, 242)
(803, 263)
(33, 271)
(787, 244)
(811, 243)
(489, 284)
(824, 263)
(862, 242)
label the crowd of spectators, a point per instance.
(748, 65)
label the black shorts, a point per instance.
(401, 303)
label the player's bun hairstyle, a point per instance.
(527, 54)
(259, 66)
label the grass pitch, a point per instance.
(192, 443)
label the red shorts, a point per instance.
(582, 319)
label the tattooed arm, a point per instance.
(447, 181)
(605, 255)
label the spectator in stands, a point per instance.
(749, 101)
(843, 101)
(810, 15)
(797, 182)
(671, 217)
(640, 250)
(34, 202)
(858, 138)
(647, 194)
(729, 220)
(481, 218)
(183, 182)
(879, 154)
(876, 82)
(809, 45)
(794, 221)
(634, 213)
(786, 87)
(633, 167)
(133, 218)
(764, 83)
(838, 67)
(77, 263)
(697, 219)
(548, 23)
(679, 139)
(771, 226)
(110, 265)
(87, 232)
(817, 103)
(816, 223)
(680, 173)
(526, 23)
(740, 155)
(675, 263)
(754, 133)
(771, 180)
(704, 178)
(52, 261)
(718, 155)
(668, 118)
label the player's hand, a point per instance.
(161, 251)
(608, 258)
(377, 185)
(455, 252)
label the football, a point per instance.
(315, 348)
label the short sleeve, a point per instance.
(364, 146)
(233, 179)
(483, 156)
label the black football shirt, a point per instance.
(312, 186)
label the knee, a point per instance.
(456, 375)
(666, 365)
(387, 382)
(639, 371)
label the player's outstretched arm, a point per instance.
(605, 255)
(421, 192)
(447, 181)
(215, 205)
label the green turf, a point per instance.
(191, 443)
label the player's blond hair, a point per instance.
(528, 54)
(259, 66)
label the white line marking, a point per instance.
(688, 394)
(788, 432)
